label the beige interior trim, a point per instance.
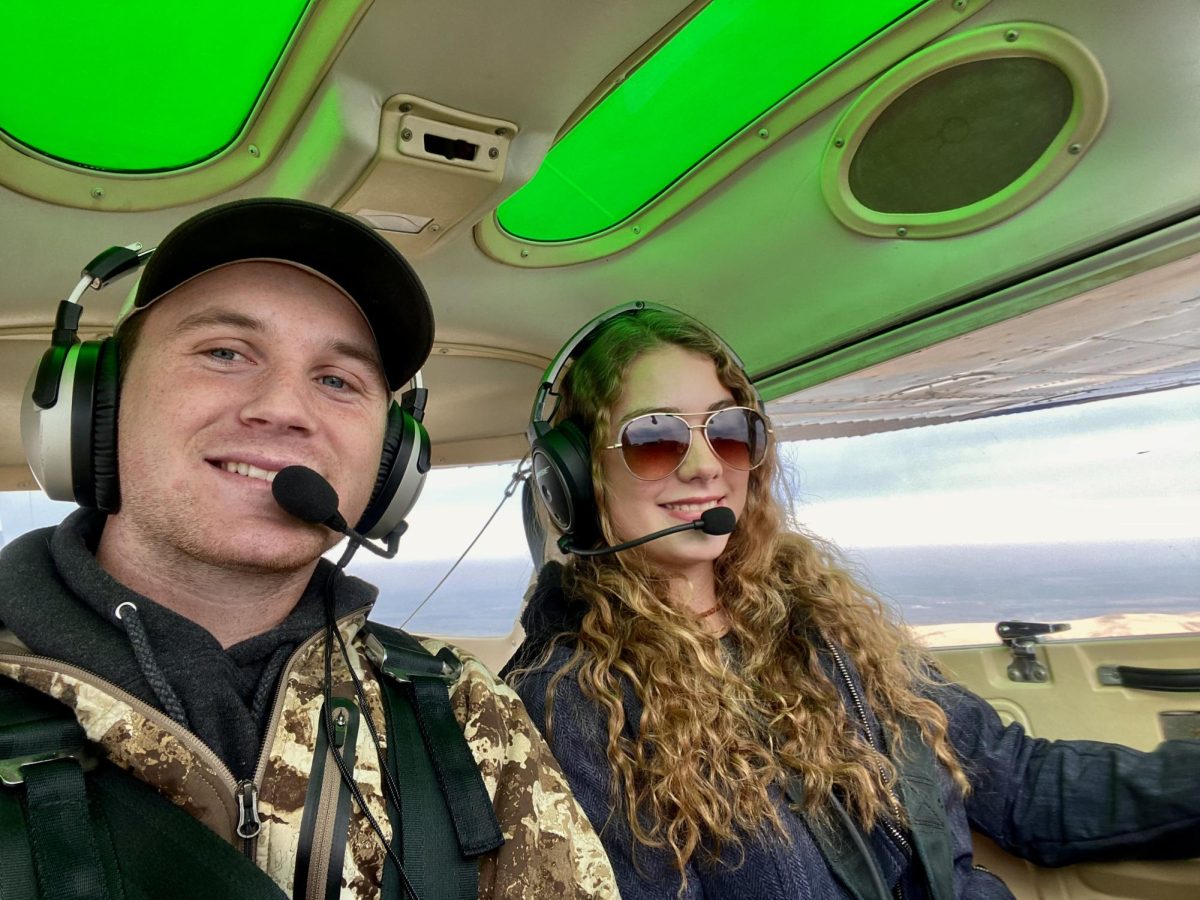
(404, 181)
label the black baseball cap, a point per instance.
(336, 246)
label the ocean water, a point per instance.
(929, 585)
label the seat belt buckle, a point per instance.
(401, 666)
(12, 770)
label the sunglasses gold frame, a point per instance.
(703, 426)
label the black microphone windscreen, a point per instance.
(718, 520)
(305, 494)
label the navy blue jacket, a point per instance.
(1053, 803)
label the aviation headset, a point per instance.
(560, 454)
(69, 417)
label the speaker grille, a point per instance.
(961, 135)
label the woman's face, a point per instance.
(672, 379)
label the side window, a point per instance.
(482, 596)
(1088, 514)
(22, 511)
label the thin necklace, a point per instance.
(708, 612)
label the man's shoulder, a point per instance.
(476, 684)
(29, 549)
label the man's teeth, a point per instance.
(241, 468)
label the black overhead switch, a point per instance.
(451, 149)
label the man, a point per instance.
(187, 631)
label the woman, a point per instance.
(737, 715)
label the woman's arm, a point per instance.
(1061, 802)
(579, 739)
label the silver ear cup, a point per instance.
(403, 469)
(46, 434)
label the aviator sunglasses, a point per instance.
(655, 444)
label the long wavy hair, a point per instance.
(718, 729)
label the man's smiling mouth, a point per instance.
(241, 468)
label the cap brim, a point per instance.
(346, 251)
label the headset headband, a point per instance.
(579, 341)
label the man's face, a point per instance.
(237, 374)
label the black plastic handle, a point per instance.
(1176, 680)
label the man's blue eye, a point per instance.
(223, 353)
(333, 381)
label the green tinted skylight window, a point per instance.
(730, 64)
(136, 87)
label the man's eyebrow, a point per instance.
(209, 317)
(357, 352)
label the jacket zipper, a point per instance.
(888, 825)
(239, 797)
(248, 789)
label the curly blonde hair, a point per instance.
(715, 735)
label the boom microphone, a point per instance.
(307, 496)
(304, 494)
(716, 521)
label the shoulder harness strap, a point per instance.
(922, 798)
(447, 819)
(99, 836)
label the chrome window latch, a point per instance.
(1021, 638)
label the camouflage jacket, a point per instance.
(550, 849)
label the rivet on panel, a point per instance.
(637, 229)
(1011, 35)
(960, 4)
(763, 133)
(405, 107)
(406, 134)
(1075, 149)
(97, 193)
(901, 231)
(493, 153)
(253, 150)
(524, 254)
(839, 142)
(435, 227)
(501, 131)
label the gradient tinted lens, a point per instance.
(655, 445)
(738, 436)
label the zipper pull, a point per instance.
(341, 722)
(249, 824)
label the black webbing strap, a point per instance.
(922, 798)
(848, 854)
(64, 834)
(437, 759)
(41, 748)
(423, 832)
(314, 822)
(843, 847)
(64, 848)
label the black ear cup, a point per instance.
(104, 428)
(562, 477)
(402, 468)
(87, 389)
